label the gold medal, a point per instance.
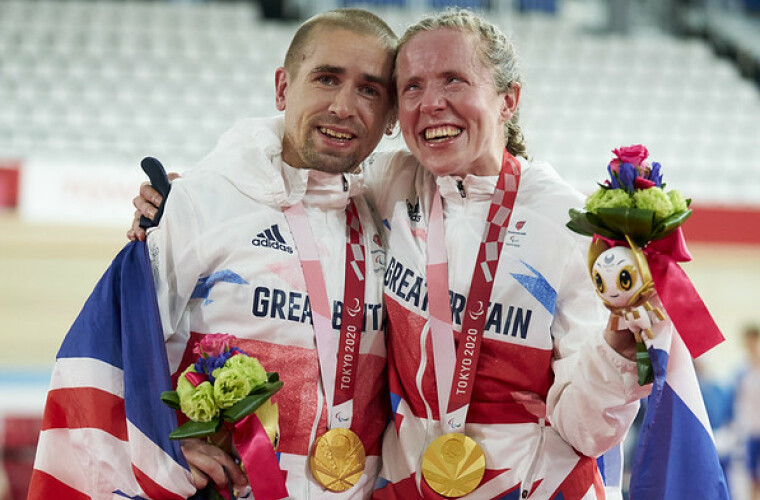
(337, 459)
(453, 465)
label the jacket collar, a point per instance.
(250, 156)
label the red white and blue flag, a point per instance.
(675, 456)
(105, 430)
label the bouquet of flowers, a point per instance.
(624, 215)
(632, 202)
(226, 393)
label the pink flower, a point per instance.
(213, 344)
(196, 378)
(641, 183)
(635, 155)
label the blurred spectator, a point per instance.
(277, 10)
(748, 406)
(719, 398)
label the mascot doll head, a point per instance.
(620, 274)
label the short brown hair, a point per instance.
(358, 21)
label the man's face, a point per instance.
(450, 112)
(337, 105)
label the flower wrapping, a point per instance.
(633, 209)
(226, 395)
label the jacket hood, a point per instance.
(249, 155)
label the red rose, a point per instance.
(213, 344)
(634, 155)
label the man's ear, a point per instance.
(280, 88)
(511, 99)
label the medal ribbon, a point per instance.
(455, 373)
(338, 372)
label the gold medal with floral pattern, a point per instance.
(337, 459)
(453, 465)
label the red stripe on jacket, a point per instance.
(511, 383)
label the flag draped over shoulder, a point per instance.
(105, 430)
(675, 456)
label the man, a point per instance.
(226, 259)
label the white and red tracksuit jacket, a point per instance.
(550, 394)
(224, 261)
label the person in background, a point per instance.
(747, 406)
(550, 388)
(719, 398)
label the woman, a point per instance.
(548, 391)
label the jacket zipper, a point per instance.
(527, 483)
(418, 381)
(460, 187)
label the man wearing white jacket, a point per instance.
(227, 258)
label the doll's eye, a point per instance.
(626, 278)
(599, 282)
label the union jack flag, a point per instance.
(105, 430)
(675, 457)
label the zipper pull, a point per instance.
(460, 187)
(345, 183)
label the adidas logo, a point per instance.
(271, 238)
(413, 210)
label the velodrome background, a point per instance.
(89, 87)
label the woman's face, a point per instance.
(450, 113)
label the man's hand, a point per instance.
(209, 463)
(146, 204)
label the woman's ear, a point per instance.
(511, 99)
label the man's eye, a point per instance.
(370, 91)
(326, 80)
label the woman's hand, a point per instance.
(622, 341)
(146, 204)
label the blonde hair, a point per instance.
(496, 51)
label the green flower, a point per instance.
(184, 387)
(251, 367)
(678, 201)
(200, 405)
(230, 386)
(653, 199)
(608, 198)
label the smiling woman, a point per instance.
(451, 114)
